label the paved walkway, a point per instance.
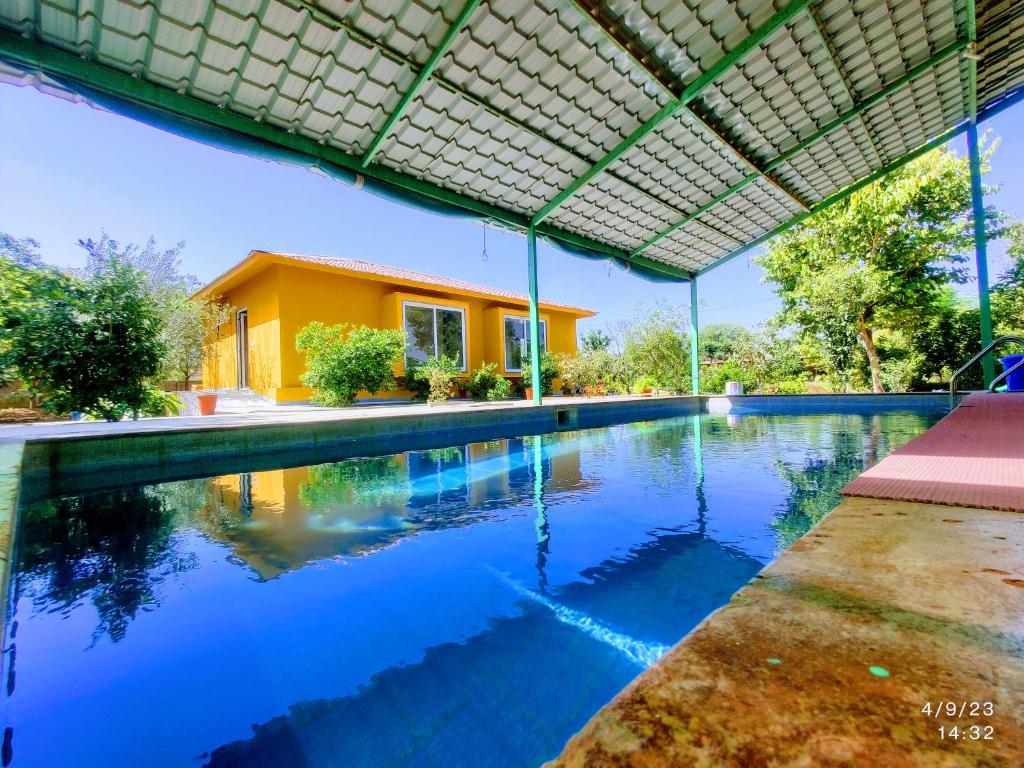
(241, 412)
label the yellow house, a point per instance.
(273, 295)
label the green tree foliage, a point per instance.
(342, 360)
(595, 340)
(1008, 292)
(548, 373)
(485, 384)
(722, 341)
(439, 374)
(25, 282)
(187, 322)
(658, 345)
(93, 347)
(877, 261)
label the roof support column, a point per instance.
(980, 250)
(694, 340)
(535, 350)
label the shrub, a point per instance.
(440, 374)
(482, 380)
(90, 345)
(658, 345)
(714, 377)
(341, 361)
(791, 387)
(548, 373)
(501, 390)
(644, 384)
(584, 369)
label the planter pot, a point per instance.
(207, 404)
(529, 393)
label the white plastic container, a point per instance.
(734, 387)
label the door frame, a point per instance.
(242, 347)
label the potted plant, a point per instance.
(207, 403)
(548, 374)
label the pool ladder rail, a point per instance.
(988, 348)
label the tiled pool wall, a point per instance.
(79, 464)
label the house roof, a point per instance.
(669, 136)
(257, 260)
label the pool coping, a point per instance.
(829, 655)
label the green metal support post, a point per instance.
(694, 340)
(531, 252)
(980, 250)
(977, 193)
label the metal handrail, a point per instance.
(1005, 374)
(988, 348)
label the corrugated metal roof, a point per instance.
(533, 94)
(386, 272)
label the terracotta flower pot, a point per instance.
(529, 393)
(207, 403)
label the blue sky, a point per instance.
(67, 171)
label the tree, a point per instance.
(595, 340)
(658, 346)
(187, 322)
(721, 341)
(341, 360)
(92, 347)
(24, 282)
(1008, 292)
(877, 260)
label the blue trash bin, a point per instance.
(1015, 381)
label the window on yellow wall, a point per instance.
(434, 331)
(517, 341)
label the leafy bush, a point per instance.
(643, 384)
(585, 369)
(714, 377)
(485, 384)
(658, 345)
(341, 361)
(440, 374)
(482, 380)
(548, 373)
(791, 387)
(501, 390)
(88, 344)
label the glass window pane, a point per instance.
(544, 335)
(419, 333)
(515, 343)
(449, 335)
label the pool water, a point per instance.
(470, 606)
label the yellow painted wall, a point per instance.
(283, 298)
(259, 295)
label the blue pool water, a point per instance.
(471, 606)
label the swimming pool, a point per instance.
(472, 605)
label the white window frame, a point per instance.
(461, 310)
(504, 341)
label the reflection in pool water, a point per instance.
(467, 606)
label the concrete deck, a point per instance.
(931, 597)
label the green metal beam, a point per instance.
(535, 350)
(665, 81)
(694, 340)
(424, 74)
(689, 93)
(991, 110)
(789, 154)
(978, 195)
(75, 71)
